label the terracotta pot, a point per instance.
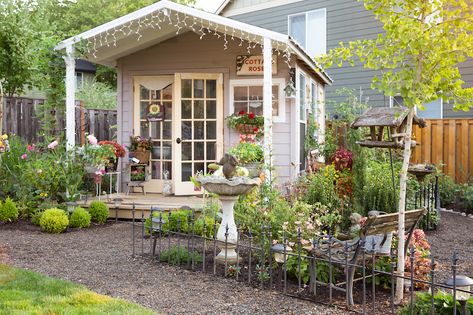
(143, 156)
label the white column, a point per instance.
(268, 103)
(70, 97)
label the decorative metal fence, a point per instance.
(428, 197)
(289, 269)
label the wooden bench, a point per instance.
(375, 238)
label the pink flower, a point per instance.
(24, 156)
(31, 147)
(92, 140)
(53, 145)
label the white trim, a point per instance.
(222, 7)
(280, 82)
(257, 7)
(268, 106)
(307, 31)
(70, 97)
(163, 4)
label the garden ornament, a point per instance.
(355, 227)
(229, 165)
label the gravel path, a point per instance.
(453, 235)
(100, 258)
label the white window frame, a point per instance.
(307, 27)
(81, 74)
(280, 82)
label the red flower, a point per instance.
(256, 129)
(251, 116)
(241, 113)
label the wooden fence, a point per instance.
(448, 142)
(19, 117)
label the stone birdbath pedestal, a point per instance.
(228, 191)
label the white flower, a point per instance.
(92, 139)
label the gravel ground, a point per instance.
(100, 258)
(453, 235)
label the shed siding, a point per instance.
(186, 53)
(347, 20)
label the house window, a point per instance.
(309, 29)
(79, 80)
(247, 96)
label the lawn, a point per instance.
(27, 292)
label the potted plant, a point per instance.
(96, 156)
(119, 152)
(246, 123)
(250, 155)
(140, 148)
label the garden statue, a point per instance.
(229, 165)
(355, 220)
(229, 181)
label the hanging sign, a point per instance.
(253, 65)
(155, 112)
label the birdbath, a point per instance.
(228, 191)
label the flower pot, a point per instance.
(247, 129)
(142, 156)
(254, 169)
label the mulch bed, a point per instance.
(100, 258)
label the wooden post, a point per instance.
(82, 123)
(268, 103)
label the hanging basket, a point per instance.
(247, 129)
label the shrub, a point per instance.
(176, 255)
(54, 220)
(8, 211)
(98, 211)
(378, 192)
(80, 218)
(448, 190)
(443, 304)
(36, 217)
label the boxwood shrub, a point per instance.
(98, 211)
(8, 211)
(54, 220)
(80, 218)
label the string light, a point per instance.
(198, 25)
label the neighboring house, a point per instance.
(319, 25)
(85, 71)
(199, 68)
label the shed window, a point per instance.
(247, 96)
(309, 29)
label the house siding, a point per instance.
(187, 54)
(347, 20)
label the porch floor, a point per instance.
(143, 203)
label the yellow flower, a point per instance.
(4, 137)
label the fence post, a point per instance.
(82, 123)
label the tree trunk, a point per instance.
(402, 207)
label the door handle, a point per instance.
(178, 140)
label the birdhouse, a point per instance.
(387, 127)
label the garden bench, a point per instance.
(375, 239)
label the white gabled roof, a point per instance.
(128, 43)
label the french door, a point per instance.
(197, 127)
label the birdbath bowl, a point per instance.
(228, 191)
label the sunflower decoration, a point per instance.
(155, 112)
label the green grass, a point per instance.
(26, 292)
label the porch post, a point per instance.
(268, 104)
(70, 97)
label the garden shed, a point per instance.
(199, 68)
